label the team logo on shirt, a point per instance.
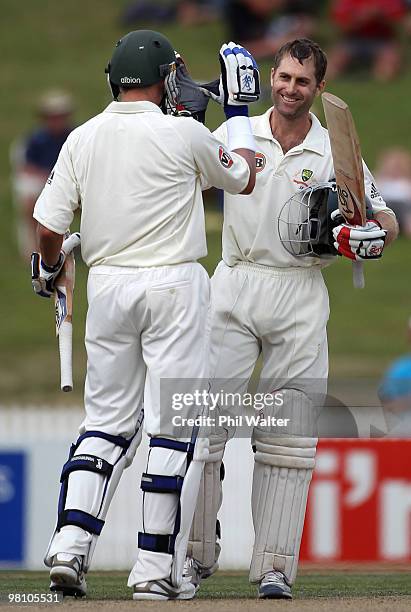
(306, 175)
(302, 178)
(225, 159)
(260, 161)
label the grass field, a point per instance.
(67, 44)
(112, 585)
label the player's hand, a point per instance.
(358, 242)
(239, 83)
(44, 276)
(185, 96)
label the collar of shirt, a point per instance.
(314, 141)
(132, 107)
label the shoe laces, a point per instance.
(274, 578)
(191, 570)
(188, 567)
(188, 564)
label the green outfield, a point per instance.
(67, 44)
(228, 585)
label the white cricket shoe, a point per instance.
(163, 590)
(274, 585)
(194, 572)
(67, 575)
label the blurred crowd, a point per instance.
(364, 36)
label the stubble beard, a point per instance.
(290, 116)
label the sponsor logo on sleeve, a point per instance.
(260, 161)
(50, 178)
(225, 158)
(374, 192)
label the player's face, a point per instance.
(294, 87)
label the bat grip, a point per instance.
(65, 349)
(358, 275)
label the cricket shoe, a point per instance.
(163, 590)
(67, 576)
(274, 585)
(194, 572)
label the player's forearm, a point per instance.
(49, 244)
(389, 223)
(249, 157)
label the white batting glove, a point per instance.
(358, 242)
(44, 276)
(239, 83)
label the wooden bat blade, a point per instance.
(346, 152)
(348, 168)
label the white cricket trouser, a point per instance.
(143, 325)
(281, 313)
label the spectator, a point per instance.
(395, 394)
(393, 175)
(33, 158)
(186, 12)
(367, 36)
(251, 22)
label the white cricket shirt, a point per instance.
(250, 231)
(137, 174)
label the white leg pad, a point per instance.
(203, 546)
(92, 493)
(160, 512)
(282, 474)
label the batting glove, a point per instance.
(358, 242)
(43, 276)
(185, 97)
(239, 83)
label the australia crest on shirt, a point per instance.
(303, 177)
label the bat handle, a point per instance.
(65, 348)
(358, 275)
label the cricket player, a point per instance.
(137, 175)
(268, 301)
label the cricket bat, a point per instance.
(349, 174)
(63, 300)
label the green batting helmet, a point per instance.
(140, 59)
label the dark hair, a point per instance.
(301, 49)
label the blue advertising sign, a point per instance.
(12, 506)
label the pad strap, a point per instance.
(89, 463)
(155, 542)
(183, 447)
(80, 519)
(157, 483)
(117, 440)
